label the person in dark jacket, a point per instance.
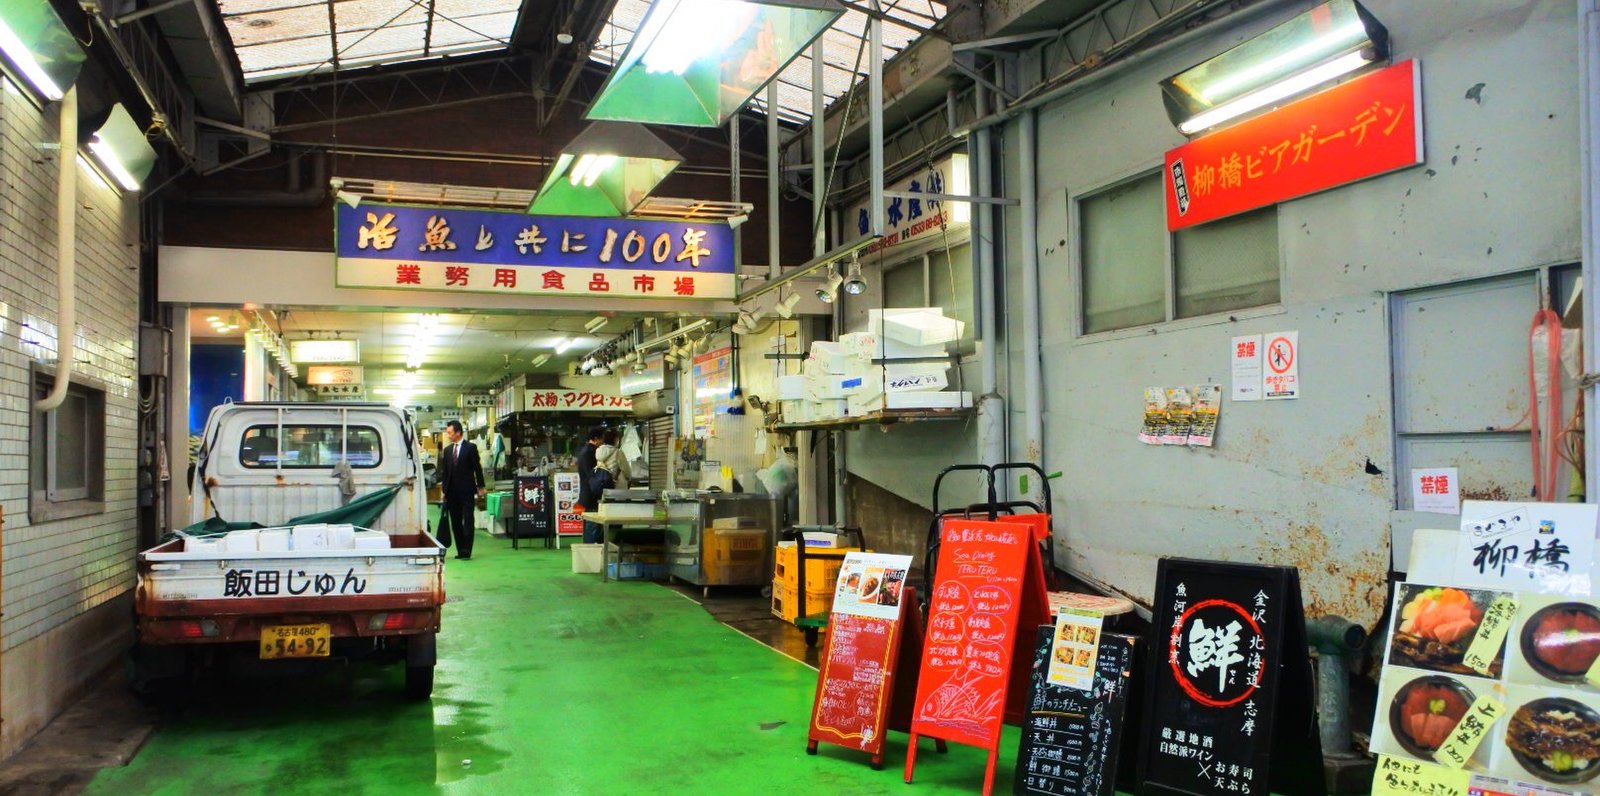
(592, 533)
(461, 481)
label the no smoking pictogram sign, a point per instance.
(1280, 354)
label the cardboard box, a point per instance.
(922, 328)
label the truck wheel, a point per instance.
(419, 682)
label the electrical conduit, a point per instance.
(1032, 373)
(66, 252)
(991, 407)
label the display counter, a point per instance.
(721, 539)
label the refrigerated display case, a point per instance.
(721, 539)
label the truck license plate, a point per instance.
(294, 641)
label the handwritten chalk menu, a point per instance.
(861, 677)
(972, 615)
(1071, 739)
(1228, 702)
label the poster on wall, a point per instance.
(713, 386)
(1246, 367)
(1543, 547)
(1282, 375)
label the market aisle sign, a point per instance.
(565, 400)
(446, 249)
(907, 220)
(1363, 128)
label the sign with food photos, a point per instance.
(1531, 715)
(1072, 737)
(1228, 701)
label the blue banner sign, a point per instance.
(495, 251)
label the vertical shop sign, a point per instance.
(1547, 547)
(1228, 707)
(1368, 126)
(1282, 356)
(569, 518)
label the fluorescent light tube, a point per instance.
(107, 159)
(23, 58)
(1267, 95)
(1325, 44)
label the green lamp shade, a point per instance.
(120, 148)
(39, 49)
(607, 171)
(696, 62)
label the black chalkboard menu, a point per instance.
(1228, 700)
(1071, 738)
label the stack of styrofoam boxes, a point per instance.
(298, 538)
(920, 336)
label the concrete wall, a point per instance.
(1288, 481)
(66, 582)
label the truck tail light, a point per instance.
(204, 628)
(394, 621)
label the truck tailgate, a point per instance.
(173, 583)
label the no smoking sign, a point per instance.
(1282, 378)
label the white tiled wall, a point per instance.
(56, 571)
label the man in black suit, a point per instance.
(461, 481)
(586, 496)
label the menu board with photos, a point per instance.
(861, 678)
(1228, 704)
(1072, 738)
(1497, 682)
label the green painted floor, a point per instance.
(549, 683)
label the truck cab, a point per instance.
(297, 473)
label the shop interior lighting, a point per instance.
(540, 360)
(427, 329)
(121, 151)
(696, 62)
(39, 50)
(830, 289)
(785, 308)
(608, 170)
(1325, 43)
(562, 345)
(737, 220)
(854, 284)
(595, 324)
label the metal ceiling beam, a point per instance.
(407, 92)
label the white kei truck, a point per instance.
(282, 598)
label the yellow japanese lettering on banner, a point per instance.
(1491, 634)
(1594, 672)
(1470, 732)
(1397, 777)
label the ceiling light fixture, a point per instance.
(540, 360)
(697, 62)
(785, 308)
(1326, 42)
(606, 171)
(120, 149)
(595, 324)
(427, 328)
(830, 289)
(563, 344)
(39, 46)
(854, 284)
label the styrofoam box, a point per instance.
(928, 400)
(924, 377)
(629, 511)
(791, 388)
(922, 328)
(794, 411)
(196, 544)
(735, 523)
(241, 541)
(371, 540)
(827, 410)
(835, 387)
(273, 540)
(341, 536)
(861, 345)
(309, 537)
(586, 558)
(830, 357)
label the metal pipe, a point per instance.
(774, 270)
(735, 151)
(1589, 156)
(1079, 78)
(1032, 371)
(991, 406)
(1335, 639)
(66, 252)
(819, 153)
(875, 116)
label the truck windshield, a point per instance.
(305, 446)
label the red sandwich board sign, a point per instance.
(861, 689)
(1367, 126)
(989, 581)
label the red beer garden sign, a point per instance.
(1363, 128)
